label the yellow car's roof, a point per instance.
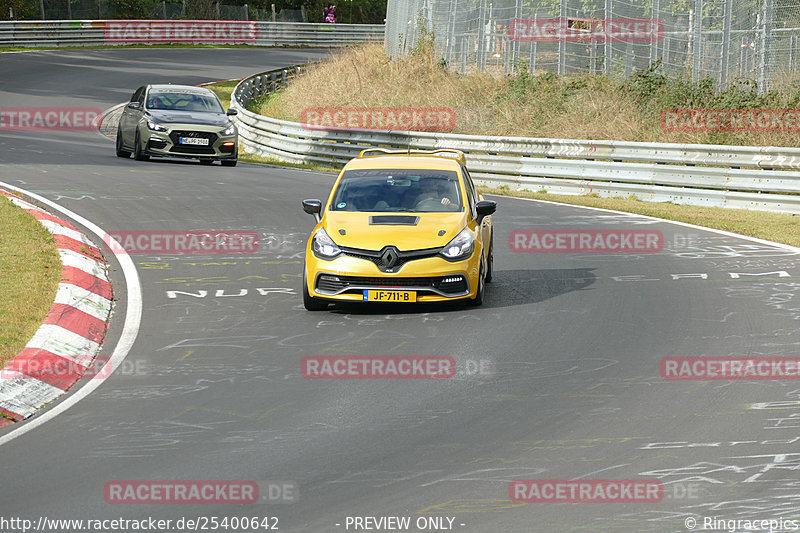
(420, 161)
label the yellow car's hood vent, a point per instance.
(373, 231)
(393, 220)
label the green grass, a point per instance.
(224, 89)
(30, 270)
(252, 158)
(777, 227)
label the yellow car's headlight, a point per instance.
(323, 246)
(460, 247)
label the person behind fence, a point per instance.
(330, 13)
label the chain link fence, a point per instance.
(152, 9)
(724, 40)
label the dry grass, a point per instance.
(30, 270)
(577, 107)
(544, 105)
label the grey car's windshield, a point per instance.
(172, 100)
(398, 190)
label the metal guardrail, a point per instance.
(61, 33)
(749, 177)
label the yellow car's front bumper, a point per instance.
(433, 279)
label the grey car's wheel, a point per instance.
(121, 152)
(228, 162)
(309, 302)
(138, 153)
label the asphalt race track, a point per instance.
(558, 373)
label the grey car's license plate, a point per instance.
(193, 140)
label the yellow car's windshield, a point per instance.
(402, 190)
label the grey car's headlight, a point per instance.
(230, 130)
(155, 126)
(460, 247)
(323, 246)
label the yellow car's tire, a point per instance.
(309, 302)
(478, 300)
(490, 260)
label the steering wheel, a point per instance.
(431, 204)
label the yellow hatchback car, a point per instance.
(400, 227)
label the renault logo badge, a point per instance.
(390, 256)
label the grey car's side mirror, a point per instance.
(232, 112)
(134, 105)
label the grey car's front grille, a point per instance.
(177, 147)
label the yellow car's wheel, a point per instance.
(490, 260)
(478, 300)
(309, 302)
